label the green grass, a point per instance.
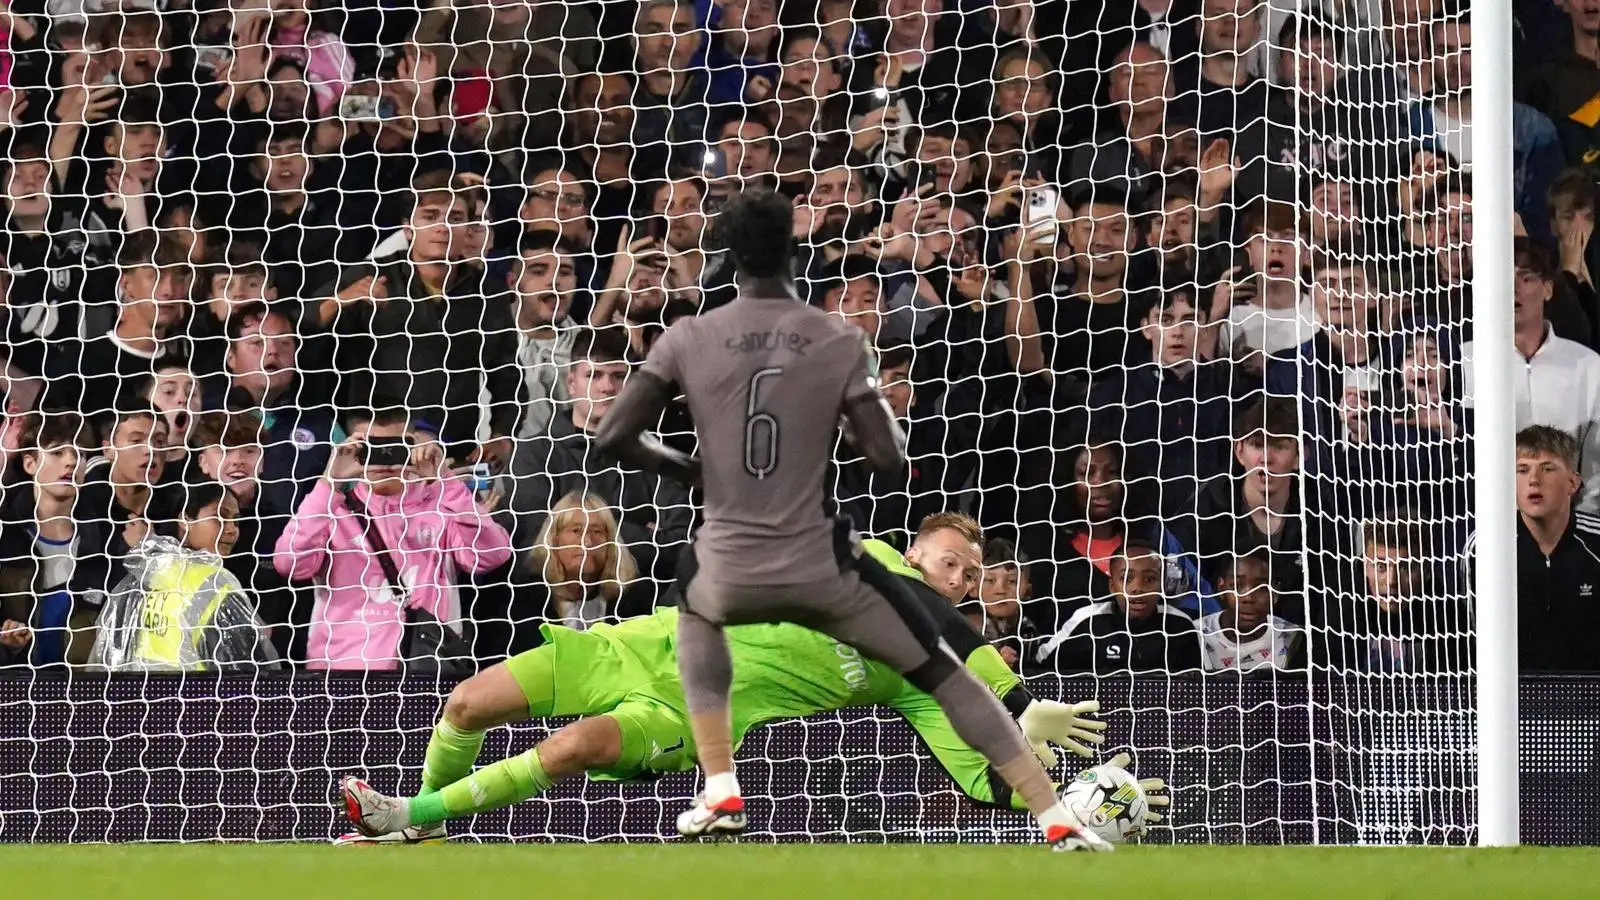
(667, 872)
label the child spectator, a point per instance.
(203, 517)
(39, 543)
(424, 520)
(1093, 515)
(1135, 631)
(1246, 635)
(113, 506)
(1002, 591)
(170, 388)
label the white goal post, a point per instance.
(1498, 732)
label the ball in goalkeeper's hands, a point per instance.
(1109, 801)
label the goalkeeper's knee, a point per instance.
(471, 708)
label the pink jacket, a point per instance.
(432, 531)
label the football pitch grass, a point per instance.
(765, 872)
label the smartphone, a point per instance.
(1042, 203)
(482, 481)
(654, 227)
(386, 451)
(212, 58)
(1363, 380)
(363, 108)
(714, 165)
(877, 98)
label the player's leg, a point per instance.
(509, 692)
(594, 743)
(490, 698)
(878, 616)
(705, 669)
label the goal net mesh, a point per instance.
(1157, 279)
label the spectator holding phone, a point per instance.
(401, 506)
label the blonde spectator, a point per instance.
(586, 574)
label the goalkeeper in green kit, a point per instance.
(624, 678)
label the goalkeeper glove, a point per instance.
(1047, 722)
(1156, 797)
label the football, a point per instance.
(1108, 801)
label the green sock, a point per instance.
(451, 753)
(491, 787)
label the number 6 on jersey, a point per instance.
(760, 428)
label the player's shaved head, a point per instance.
(756, 226)
(948, 551)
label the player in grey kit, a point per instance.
(767, 379)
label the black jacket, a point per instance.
(1558, 599)
(1430, 634)
(1179, 427)
(433, 354)
(1217, 525)
(1100, 638)
(1064, 580)
(653, 512)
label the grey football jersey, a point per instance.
(766, 380)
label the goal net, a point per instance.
(1171, 296)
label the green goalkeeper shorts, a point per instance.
(627, 672)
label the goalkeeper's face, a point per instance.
(949, 563)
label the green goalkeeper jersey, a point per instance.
(780, 671)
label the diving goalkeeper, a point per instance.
(624, 678)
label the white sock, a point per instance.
(721, 787)
(1057, 815)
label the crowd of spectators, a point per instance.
(1172, 297)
